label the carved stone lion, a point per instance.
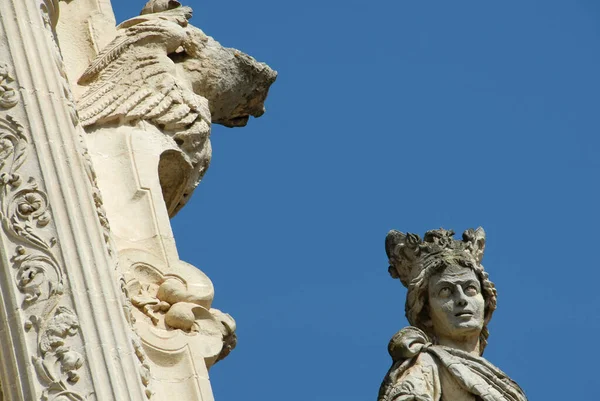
(160, 70)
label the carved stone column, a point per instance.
(64, 335)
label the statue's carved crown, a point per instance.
(409, 255)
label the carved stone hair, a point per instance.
(414, 261)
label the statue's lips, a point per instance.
(464, 314)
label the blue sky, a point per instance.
(407, 115)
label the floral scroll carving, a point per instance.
(8, 95)
(25, 217)
(56, 364)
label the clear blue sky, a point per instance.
(410, 115)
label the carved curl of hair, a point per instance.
(417, 298)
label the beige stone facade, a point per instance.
(104, 134)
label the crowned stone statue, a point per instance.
(449, 304)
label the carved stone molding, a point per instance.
(61, 308)
(49, 16)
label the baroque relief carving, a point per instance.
(169, 303)
(56, 364)
(8, 95)
(25, 214)
(56, 276)
(144, 366)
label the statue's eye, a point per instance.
(445, 292)
(471, 290)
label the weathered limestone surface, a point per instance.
(84, 27)
(151, 96)
(104, 134)
(449, 304)
(65, 336)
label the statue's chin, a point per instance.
(462, 329)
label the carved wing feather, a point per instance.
(174, 114)
(109, 54)
(143, 108)
(141, 87)
(160, 108)
(121, 44)
(139, 94)
(187, 120)
(107, 105)
(96, 96)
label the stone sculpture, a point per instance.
(449, 303)
(151, 96)
(96, 304)
(62, 315)
(163, 71)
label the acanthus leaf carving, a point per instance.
(36, 273)
(25, 216)
(56, 364)
(8, 95)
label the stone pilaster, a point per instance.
(64, 335)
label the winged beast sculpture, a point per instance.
(160, 70)
(151, 96)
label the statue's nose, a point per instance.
(461, 297)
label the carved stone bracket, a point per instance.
(171, 304)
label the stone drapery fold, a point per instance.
(414, 374)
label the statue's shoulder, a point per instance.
(417, 378)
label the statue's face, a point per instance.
(456, 304)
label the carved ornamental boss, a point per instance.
(449, 303)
